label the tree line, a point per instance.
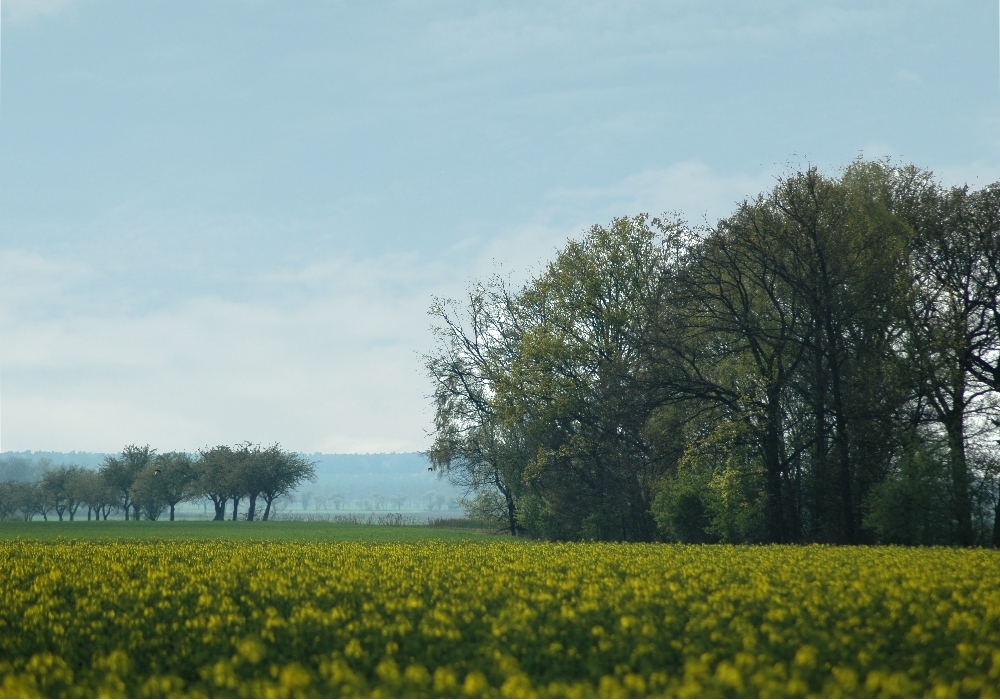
(141, 484)
(822, 365)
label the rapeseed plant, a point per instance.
(514, 619)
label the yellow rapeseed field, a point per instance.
(505, 618)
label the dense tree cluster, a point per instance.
(823, 365)
(142, 484)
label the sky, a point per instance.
(225, 221)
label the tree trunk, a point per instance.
(820, 469)
(171, 512)
(510, 503)
(267, 508)
(236, 505)
(220, 507)
(996, 524)
(847, 533)
(955, 428)
(252, 507)
(772, 465)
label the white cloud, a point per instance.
(31, 283)
(25, 11)
(337, 370)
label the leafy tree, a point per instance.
(120, 474)
(54, 490)
(74, 490)
(912, 506)
(543, 396)
(244, 477)
(177, 478)
(435, 500)
(730, 340)
(214, 477)
(93, 489)
(760, 380)
(7, 500)
(952, 331)
(471, 446)
(280, 473)
(28, 498)
(148, 494)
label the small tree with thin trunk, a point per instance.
(213, 470)
(91, 488)
(177, 478)
(120, 474)
(281, 473)
(54, 490)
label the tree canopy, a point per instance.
(819, 366)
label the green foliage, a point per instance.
(715, 494)
(912, 505)
(755, 381)
(541, 395)
(683, 509)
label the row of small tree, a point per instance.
(143, 484)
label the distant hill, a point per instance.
(83, 459)
(363, 477)
(30, 466)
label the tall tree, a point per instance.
(543, 395)
(952, 327)
(730, 339)
(844, 258)
(474, 348)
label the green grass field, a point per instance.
(209, 530)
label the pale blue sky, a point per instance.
(225, 220)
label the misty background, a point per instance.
(345, 483)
